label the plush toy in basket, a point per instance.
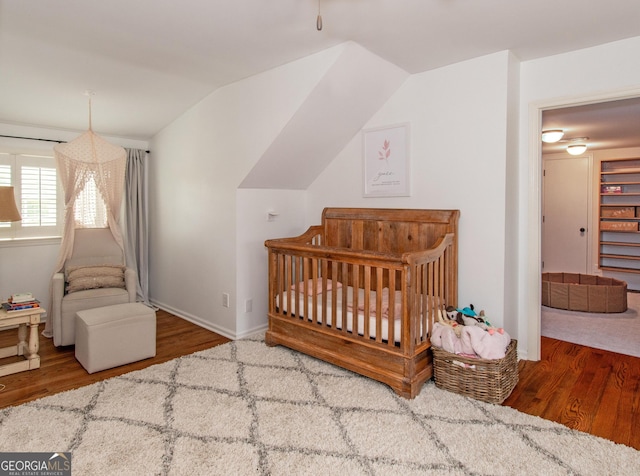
(462, 331)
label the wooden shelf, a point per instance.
(620, 270)
(629, 257)
(612, 174)
(619, 243)
(623, 194)
(619, 183)
(621, 171)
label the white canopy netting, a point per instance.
(89, 161)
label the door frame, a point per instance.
(590, 263)
(533, 288)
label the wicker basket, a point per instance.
(491, 381)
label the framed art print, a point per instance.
(386, 161)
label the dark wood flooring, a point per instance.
(587, 389)
(59, 370)
(591, 390)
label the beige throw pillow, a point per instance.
(93, 277)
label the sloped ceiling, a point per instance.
(351, 91)
(150, 60)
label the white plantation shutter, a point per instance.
(5, 181)
(5, 175)
(38, 195)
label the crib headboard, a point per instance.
(387, 230)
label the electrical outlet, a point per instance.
(248, 305)
(225, 299)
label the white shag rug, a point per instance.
(243, 408)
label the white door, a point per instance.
(565, 209)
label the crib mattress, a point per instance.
(394, 315)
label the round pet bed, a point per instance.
(583, 292)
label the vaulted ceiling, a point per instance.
(150, 60)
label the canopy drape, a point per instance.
(89, 157)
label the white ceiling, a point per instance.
(148, 61)
(605, 125)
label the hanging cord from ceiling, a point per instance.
(319, 18)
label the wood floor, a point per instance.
(59, 370)
(587, 389)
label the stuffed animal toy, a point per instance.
(488, 327)
(449, 318)
(468, 317)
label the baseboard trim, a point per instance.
(195, 320)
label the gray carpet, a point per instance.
(618, 332)
(246, 409)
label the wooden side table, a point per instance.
(23, 319)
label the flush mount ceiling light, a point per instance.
(552, 135)
(576, 149)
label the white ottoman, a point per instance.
(115, 335)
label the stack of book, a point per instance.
(20, 302)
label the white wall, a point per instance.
(27, 265)
(463, 104)
(253, 228)
(199, 162)
(590, 75)
(492, 176)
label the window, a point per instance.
(90, 209)
(38, 195)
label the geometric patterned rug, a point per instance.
(245, 408)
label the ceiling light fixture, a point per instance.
(552, 135)
(319, 19)
(576, 149)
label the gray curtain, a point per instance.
(136, 219)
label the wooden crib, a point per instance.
(363, 289)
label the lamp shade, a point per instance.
(552, 135)
(577, 149)
(8, 209)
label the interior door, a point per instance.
(565, 209)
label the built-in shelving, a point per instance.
(619, 230)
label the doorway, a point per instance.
(534, 228)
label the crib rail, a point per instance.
(394, 298)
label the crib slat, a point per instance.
(314, 287)
(355, 276)
(345, 296)
(379, 304)
(391, 322)
(285, 270)
(334, 292)
(323, 295)
(366, 302)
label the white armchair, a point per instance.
(94, 249)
